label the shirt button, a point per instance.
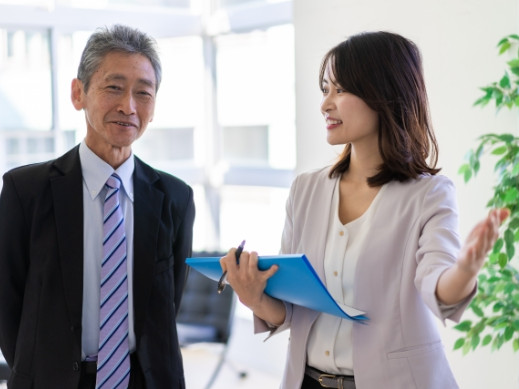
(327, 353)
(341, 233)
(335, 273)
(75, 366)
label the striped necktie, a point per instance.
(113, 359)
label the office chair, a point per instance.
(206, 316)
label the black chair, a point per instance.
(206, 316)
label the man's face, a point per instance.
(119, 103)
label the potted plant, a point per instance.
(496, 305)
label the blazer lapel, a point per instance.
(67, 192)
(147, 210)
(319, 208)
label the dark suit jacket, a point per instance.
(41, 272)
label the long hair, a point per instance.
(121, 39)
(385, 70)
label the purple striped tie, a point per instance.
(113, 359)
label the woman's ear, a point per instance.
(76, 94)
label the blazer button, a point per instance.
(75, 366)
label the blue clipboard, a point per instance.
(295, 282)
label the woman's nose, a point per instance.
(326, 103)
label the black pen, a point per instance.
(222, 281)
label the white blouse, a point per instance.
(330, 343)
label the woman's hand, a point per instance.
(249, 283)
(457, 282)
(480, 241)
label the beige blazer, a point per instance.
(414, 239)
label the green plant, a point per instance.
(496, 305)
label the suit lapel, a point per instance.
(147, 214)
(67, 194)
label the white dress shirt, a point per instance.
(95, 173)
(330, 346)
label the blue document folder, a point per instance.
(295, 281)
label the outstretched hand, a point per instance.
(457, 282)
(481, 240)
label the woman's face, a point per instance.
(348, 118)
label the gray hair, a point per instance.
(121, 39)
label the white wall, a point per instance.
(458, 42)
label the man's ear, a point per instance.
(76, 94)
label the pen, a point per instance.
(222, 281)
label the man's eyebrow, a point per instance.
(120, 77)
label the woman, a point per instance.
(380, 228)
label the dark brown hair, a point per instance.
(385, 70)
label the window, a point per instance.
(224, 120)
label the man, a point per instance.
(69, 242)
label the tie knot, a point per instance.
(114, 181)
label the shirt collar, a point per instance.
(96, 172)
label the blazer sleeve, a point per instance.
(183, 245)
(439, 245)
(13, 266)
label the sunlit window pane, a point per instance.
(230, 3)
(25, 80)
(179, 110)
(41, 3)
(255, 78)
(70, 47)
(264, 208)
(106, 3)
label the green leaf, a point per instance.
(501, 325)
(509, 243)
(498, 245)
(504, 46)
(475, 341)
(497, 306)
(464, 326)
(503, 260)
(466, 171)
(504, 82)
(511, 195)
(499, 150)
(516, 345)
(486, 340)
(509, 333)
(478, 311)
(507, 138)
(514, 223)
(459, 343)
(510, 288)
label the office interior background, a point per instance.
(237, 113)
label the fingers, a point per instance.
(247, 266)
(487, 232)
(229, 260)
